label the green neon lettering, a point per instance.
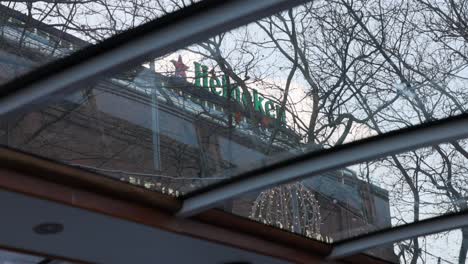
(205, 77)
(214, 84)
(258, 106)
(245, 101)
(269, 106)
(198, 74)
(280, 115)
(236, 94)
(226, 85)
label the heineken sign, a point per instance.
(221, 86)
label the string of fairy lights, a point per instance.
(290, 207)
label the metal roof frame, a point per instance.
(201, 21)
(429, 226)
(176, 30)
(314, 163)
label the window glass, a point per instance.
(310, 78)
(35, 32)
(366, 197)
(440, 248)
(11, 257)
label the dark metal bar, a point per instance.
(177, 30)
(384, 237)
(315, 163)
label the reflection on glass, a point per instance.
(329, 207)
(442, 248)
(313, 77)
(282, 86)
(367, 197)
(10, 257)
(32, 33)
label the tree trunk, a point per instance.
(464, 246)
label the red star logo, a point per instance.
(180, 68)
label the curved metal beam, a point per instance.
(380, 238)
(315, 163)
(176, 30)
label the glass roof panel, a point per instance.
(440, 248)
(35, 32)
(366, 197)
(11, 257)
(314, 77)
(7, 257)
